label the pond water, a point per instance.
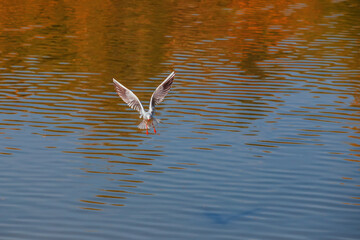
(259, 136)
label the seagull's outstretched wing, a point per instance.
(161, 91)
(129, 97)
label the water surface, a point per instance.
(259, 136)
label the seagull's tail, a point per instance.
(147, 124)
(143, 125)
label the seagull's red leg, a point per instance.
(154, 130)
(146, 129)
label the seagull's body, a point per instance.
(133, 101)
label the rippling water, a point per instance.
(259, 136)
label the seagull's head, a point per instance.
(147, 116)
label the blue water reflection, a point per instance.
(258, 138)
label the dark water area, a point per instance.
(259, 136)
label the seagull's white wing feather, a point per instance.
(161, 91)
(129, 97)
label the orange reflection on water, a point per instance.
(59, 58)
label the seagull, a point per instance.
(133, 101)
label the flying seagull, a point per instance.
(133, 101)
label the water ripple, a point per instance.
(258, 136)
